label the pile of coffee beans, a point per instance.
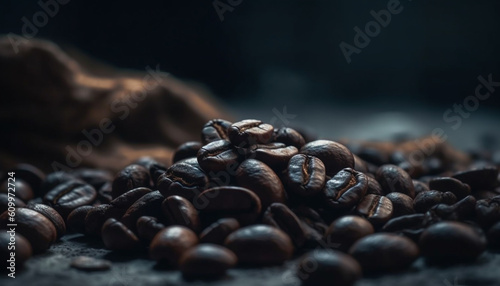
(249, 194)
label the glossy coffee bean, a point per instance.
(35, 227)
(68, 196)
(155, 168)
(147, 205)
(262, 180)
(280, 216)
(96, 217)
(52, 215)
(374, 187)
(360, 165)
(180, 211)
(394, 179)
(217, 232)
(384, 252)
(55, 179)
(22, 250)
(95, 178)
(346, 230)
(426, 200)
(275, 155)
(186, 150)
(131, 177)
(7, 202)
(328, 267)
(451, 242)
(207, 261)
(484, 178)
(459, 211)
(148, 227)
(214, 130)
(447, 184)
(183, 179)
(76, 219)
(334, 155)
(260, 245)
(22, 189)
(345, 190)
(420, 187)
(90, 264)
(305, 175)
(401, 204)
(30, 174)
(171, 243)
(488, 211)
(289, 137)
(127, 199)
(411, 226)
(216, 156)
(376, 209)
(249, 132)
(116, 236)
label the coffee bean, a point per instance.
(90, 264)
(186, 150)
(183, 179)
(461, 210)
(305, 175)
(447, 184)
(451, 242)
(156, 169)
(55, 179)
(93, 177)
(116, 236)
(104, 193)
(275, 155)
(30, 174)
(328, 267)
(411, 226)
(373, 187)
(376, 209)
(171, 243)
(345, 189)
(22, 189)
(12, 202)
(260, 245)
(68, 196)
(131, 177)
(22, 250)
(147, 205)
(96, 217)
(249, 132)
(420, 187)
(426, 200)
(334, 155)
(148, 227)
(207, 261)
(401, 204)
(394, 179)
(214, 130)
(346, 230)
(360, 165)
(494, 236)
(377, 155)
(486, 194)
(280, 216)
(127, 199)
(289, 137)
(384, 252)
(217, 232)
(52, 215)
(76, 219)
(488, 211)
(216, 156)
(180, 211)
(479, 179)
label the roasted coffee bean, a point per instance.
(360, 165)
(249, 132)
(180, 211)
(373, 187)
(289, 137)
(413, 170)
(96, 217)
(345, 189)
(148, 227)
(7, 201)
(447, 184)
(68, 196)
(486, 194)
(384, 252)
(214, 130)
(207, 261)
(420, 187)
(22, 250)
(30, 174)
(375, 155)
(186, 150)
(76, 219)
(494, 236)
(131, 177)
(22, 189)
(183, 179)
(394, 179)
(52, 215)
(275, 155)
(260, 179)
(376, 209)
(104, 193)
(411, 226)
(127, 199)
(328, 267)
(93, 177)
(116, 236)
(488, 211)
(218, 156)
(334, 155)
(426, 200)
(147, 205)
(217, 232)
(401, 204)
(35, 227)
(280, 216)
(305, 175)
(90, 264)
(155, 168)
(55, 179)
(461, 210)
(236, 202)
(171, 243)
(346, 230)
(260, 245)
(485, 178)
(451, 242)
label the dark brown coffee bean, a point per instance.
(217, 232)
(183, 179)
(324, 267)
(260, 245)
(35, 227)
(377, 155)
(289, 137)
(155, 168)
(22, 250)
(207, 261)
(346, 230)
(148, 227)
(486, 194)
(171, 243)
(494, 236)
(55, 179)
(96, 217)
(488, 211)
(275, 155)
(451, 242)
(180, 211)
(360, 165)
(90, 264)
(131, 177)
(93, 177)
(280, 216)
(384, 252)
(22, 189)
(216, 156)
(68, 196)
(214, 130)
(260, 179)
(401, 204)
(334, 155)
(147, 205)
(394, 179)
(116, 236)
(30, 174)
(413, 170)
(104, 194)
(7, 201)
(52, 215)
(411, 226)
(250, 132)
(374, 187)
(426, 200)
(447, 184)
(345, 189)
(76, 219)
(484, 178)
(376, 209)
(420, 187)
(305, 175)
(186, 150)
(460, 211)
(127, 199)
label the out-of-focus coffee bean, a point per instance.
(52, 215)
(156, 169)
(280, 216)
(70, 195)
(346, 230)
(171, 243)
(374, 187)
(55, 179)
(488, 211)
(147, 205)
(345, 189)
(22, 250)
(305, 175)
(12, 202)
(479, 179)
(447, 184)
(250, 132)
(148, 227)
(104, 193)
(95, 178)
(401, 204)
(30, 174)
(207, 261)
(180, 211)
(494, 236)
(186, 150)
(116, 236)
(76, 219)
(183, 179)
(420, 187)
(217, 232)
(131, 177)
(217, 156)
(22, 189)
(214, 130)
(289, 137)
(376, 209)
(127, 199)
(360, 165)
(426, 200)
(96, 217)
(394, 179)
(334, 155)
(90, 264)
(411, 226)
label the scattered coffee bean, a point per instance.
(345, 189)
(180, 211)
(305, 175)
(147, 205)
(22, 189)
(447, 184)
(90, 264)
(334, 155)
(52, 215)
(116, 236)
(411, 226)
(218, 156)
(289, 137)
(171, 243)
(374, 187)
(394, 179)
(250, 132)
(280, 216)
(420, 187)
(376, 209)
(401, 204)
(183, 179)
(96, 217)
(55, 179)
(207, 261)
(70, 195)
(127, 199)
(93, 177)
(131, 177)
(22, 250)
(148, 227)
(346, 230)
(426, 200)
(76, 219)
(479, 179)
(214, 130)
(217, 232)
(186, 150)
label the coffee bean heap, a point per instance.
(250, 194)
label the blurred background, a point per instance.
(264, 59)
